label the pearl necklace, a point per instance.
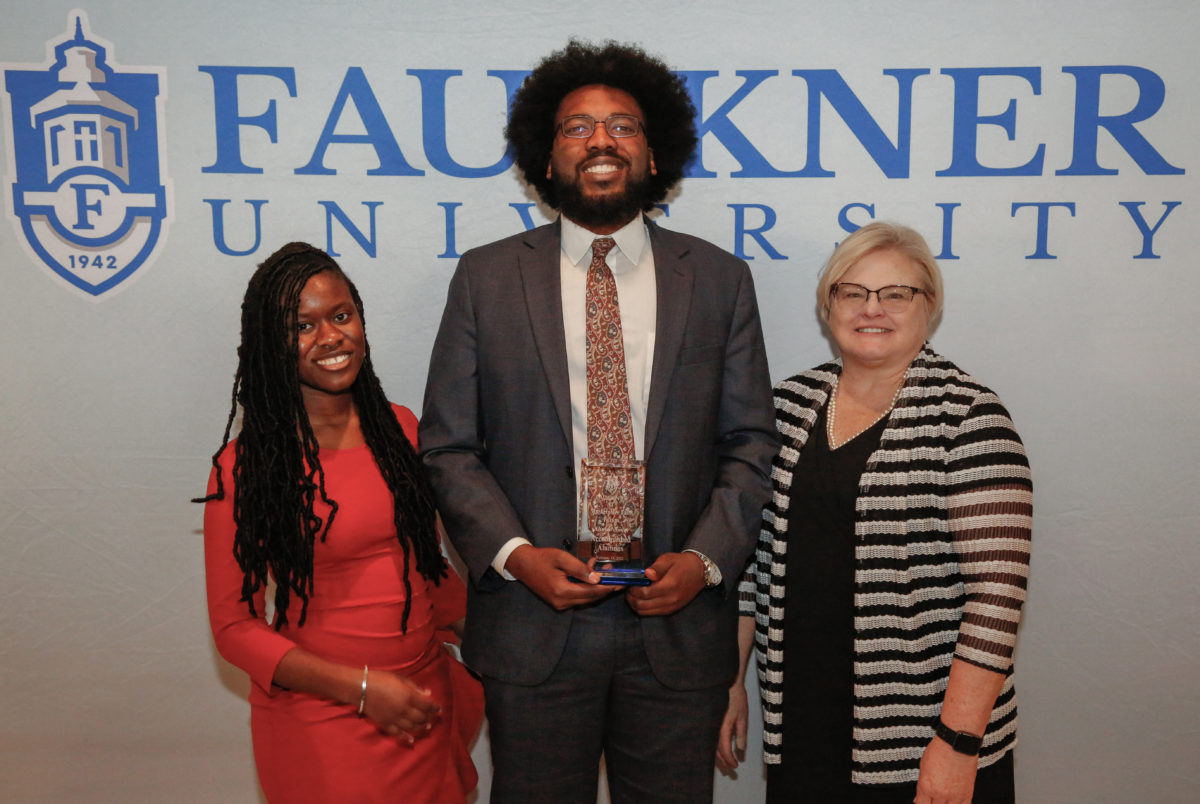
(829, 419)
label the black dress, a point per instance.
(818, 687)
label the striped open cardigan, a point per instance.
(941, 560)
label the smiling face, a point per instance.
(330, 337)
(601, 180)
(870, 336)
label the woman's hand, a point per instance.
(398, 706)
(947, 777)
(737, 714)
(733, 728)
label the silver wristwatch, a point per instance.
(712, 575)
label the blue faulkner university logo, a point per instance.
(86, 181)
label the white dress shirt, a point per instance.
(632, 263)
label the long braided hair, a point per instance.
(277, 470)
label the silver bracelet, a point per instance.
(362, 699)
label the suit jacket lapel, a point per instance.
(540, 275)
(673, 280)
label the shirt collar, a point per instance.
(632, 239)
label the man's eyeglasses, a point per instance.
(892, 298)
(582, 126)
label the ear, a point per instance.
(653, 170)
(549, 169)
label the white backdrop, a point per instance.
(111, 687)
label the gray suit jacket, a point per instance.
(496, 437)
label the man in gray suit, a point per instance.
(574, 668)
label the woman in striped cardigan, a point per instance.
(892, 565)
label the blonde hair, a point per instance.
(874, 237)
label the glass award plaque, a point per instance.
(611, 505)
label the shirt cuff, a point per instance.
(502, 557)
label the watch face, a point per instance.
(960, 741)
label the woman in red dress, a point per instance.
(354, 697)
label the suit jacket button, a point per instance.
(570, 473)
